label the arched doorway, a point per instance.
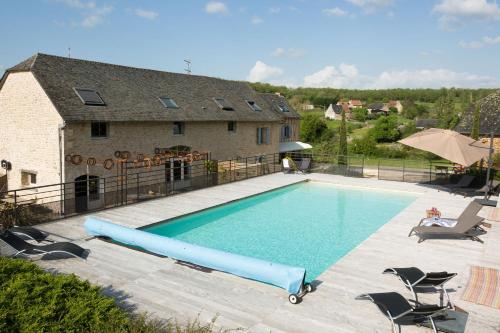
(86, 188)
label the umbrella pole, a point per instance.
(490, 162)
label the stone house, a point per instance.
(334, 112)
(63, 118)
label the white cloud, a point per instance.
(256, 20)
(348, 76)
(345, 76)
(455, 12)
(289, 53)
(214, 7)
(370, 5)
(336, 11)
(146, 14)
(96, 16)
(78, 4)
(261, 72)
(91, 12)
(485, 41)
(274, 10)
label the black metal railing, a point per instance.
(137, 183)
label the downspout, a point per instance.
(61, 158)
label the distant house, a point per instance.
(489, 119)
(378, 108)
(355, 104)
(426, 123)
(395, 104)
(334, 112)
(308, 107)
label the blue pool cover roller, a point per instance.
(286, 277)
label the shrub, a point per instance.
(360, 114)
(386, 129)
(313, 128)
(365, 145)
(33, 300)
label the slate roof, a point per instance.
(489, 119)
(275, 100)
(426, 123)
(337, 108)
(376, 106)
(131, 94)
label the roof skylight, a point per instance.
(89, 96)
(223, 104)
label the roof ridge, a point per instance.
(137, 68)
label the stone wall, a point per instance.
(144, 137)
(29, 125)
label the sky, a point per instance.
(364, 44)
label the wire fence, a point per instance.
(136, 183)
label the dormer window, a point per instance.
(89, 96)
(168, 102)
(223, 104)
(283, 107)
(254, 106)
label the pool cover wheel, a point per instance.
(297, 298)
(294, 298)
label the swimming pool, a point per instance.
(310, 225)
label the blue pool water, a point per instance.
(310, 225)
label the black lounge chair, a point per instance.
(463, 182)
(489, 189)
(399, 310)
(29, 232)
(468, 227)
(305, 165)
(23, 247)
(416, 280)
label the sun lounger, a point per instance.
(495, 187)
(471, 210)
(464, 182)
(468, 227)
(29, 232)
(400, 311)
(23, 247)
(305, 165)
(416, 280)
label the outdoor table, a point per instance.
(441, 170)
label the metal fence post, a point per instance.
(104, 194)
(362, 166)
(403, 170)
(137, 179)
(246, 167)
(430, 170)
(378, 169)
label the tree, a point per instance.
(365, 145)
(475, 123)
(313, 128)
(386, 129)
(360, 114)
(446, 112)
(343, 140)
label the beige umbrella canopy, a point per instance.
(448, 144)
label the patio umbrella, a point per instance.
(450, 145)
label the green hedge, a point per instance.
(33, 300)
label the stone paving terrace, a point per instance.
(168, 289)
